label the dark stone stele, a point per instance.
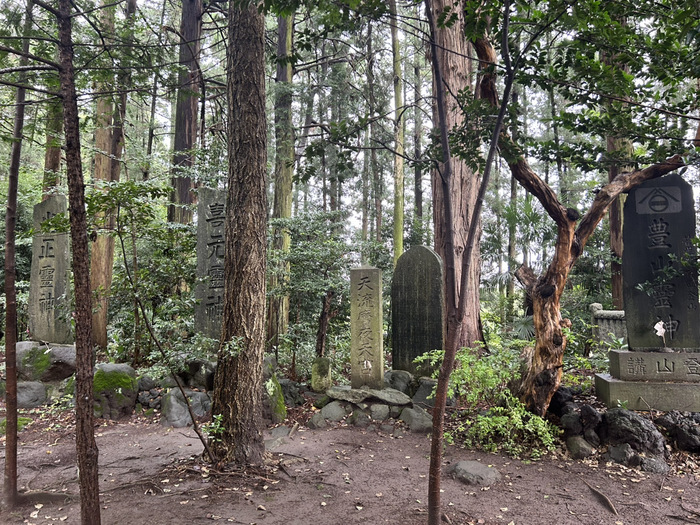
(659, 225)
(417, 307)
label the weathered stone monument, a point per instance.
(417, 307)
(661, 370)
(367, 347)
(49, 295)
(209, 291)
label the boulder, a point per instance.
(115, 390)
(292, 392)
(417, 419)
(174, 412)
(624, 426)
(579, 448)
(388, 396)
(317, 421)
(30, 394)
(400, 380)
(45, 363)
(474, 473)
(335, 411)
(683, 429)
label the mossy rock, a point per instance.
(115, 388)
(278, 410)
(321, 374)
(33, 363)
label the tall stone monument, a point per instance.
(661, 370)
(367, 346)
(417, 307)
(49, 294)
(209, 291)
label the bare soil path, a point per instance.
(340, 476)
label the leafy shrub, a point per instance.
(491, 417)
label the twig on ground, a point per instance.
(603, 497)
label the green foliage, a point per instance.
(154, 261)
(509, 428)
(319, 260)
(214, 429)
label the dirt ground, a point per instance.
(343, 475)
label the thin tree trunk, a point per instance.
(377, 186)
(86, 447)
(238, 380)
(186, 112)
(398, 134)
(278, 312)
(417, 138)
(10, 473)
(102, 249)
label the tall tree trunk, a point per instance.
(238, 380)
(52, 155)
(398, 134)
(618, 151)
(86, 447)
(278, 312)
(186, 112)
(377, 186)
(417, 138)
(102, 249)
(10, 473)
(452, 47)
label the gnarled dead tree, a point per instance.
(544, 372)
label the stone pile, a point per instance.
(625, 436)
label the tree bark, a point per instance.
(186, 112)
(86, 447)
(398, 134)
(52, 155)
(10, 472)
(452, 49)
(278, 312)
(238, 380)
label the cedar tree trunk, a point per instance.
(238, 380)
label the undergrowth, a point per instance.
(490, 417)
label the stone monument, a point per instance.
(661, 370)
(367, 346)
(417, 308)
(49, 296)
(209, 291)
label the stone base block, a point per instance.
(655, 366)
(645, 395)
